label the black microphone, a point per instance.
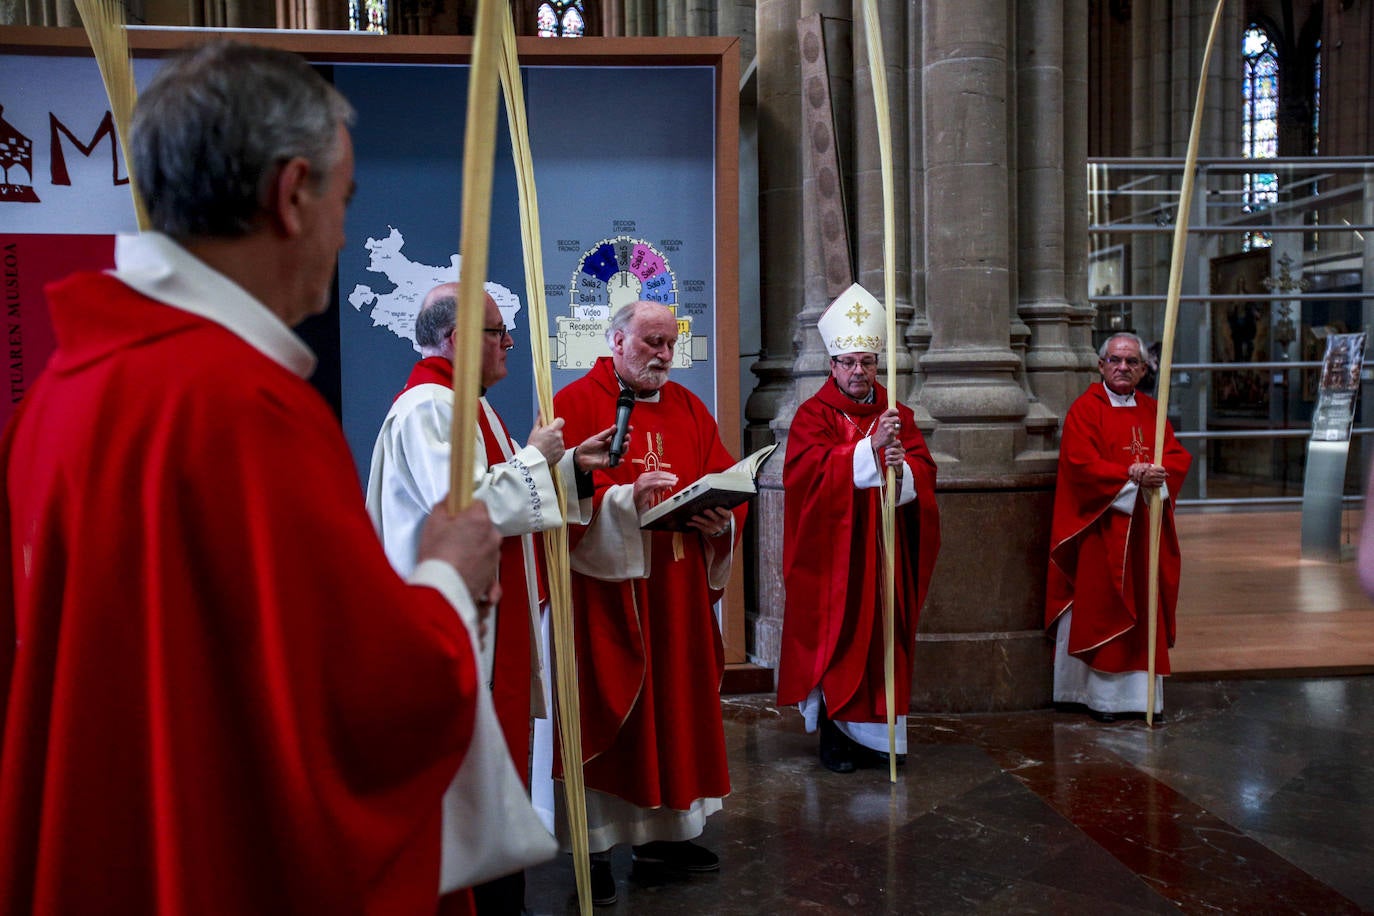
(623, 405)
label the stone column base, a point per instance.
(981, 645)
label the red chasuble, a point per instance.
(832, 635)
(1099, 556)
(217, 696)
(510, 687)
(649, 655)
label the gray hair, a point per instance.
(213, 126)
(620, 321)
(1140, 344)
(435, 323)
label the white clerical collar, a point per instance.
(1119, 400)
(159, 268)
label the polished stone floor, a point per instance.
(1252, 796)
(1251, 605)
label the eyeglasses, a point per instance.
(501, 333)
(1130, 362)
(849, 363)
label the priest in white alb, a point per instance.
(410, 470)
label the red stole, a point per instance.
(432, 370)
(511, 669)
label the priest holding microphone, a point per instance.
(649, 652)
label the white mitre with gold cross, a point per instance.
(854, 323)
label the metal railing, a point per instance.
(1314, 217)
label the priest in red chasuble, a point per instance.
(842, 440)
(410, 473)
(1098, 589)
(649, 653)
(216, 696)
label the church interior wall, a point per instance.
(1348, 70)
(1141, 58)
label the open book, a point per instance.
(724, 489)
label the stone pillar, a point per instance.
(780, 178)
(802, 272)
(1150, 137)
(978, 647)
(1051, 363)
(1076, 204)
(675, 22)
(1347, 127)
(262, 14)
(970, 370)
(1168, 41)
(917, 331)
(737, 17)
(827, 268)
(60, 13)
(1179, 88)
(1149, 80)
(780, 293)
(868, 183)
(696, 17)
(640, 17)
(687, 17)
(827, 244)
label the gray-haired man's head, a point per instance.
(435, 322)
(215, 124)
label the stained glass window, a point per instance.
(367, 16)
(1317, 100)
(573, 26)
(1260, 126)
(561, 19)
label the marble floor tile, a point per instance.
(1253, 796)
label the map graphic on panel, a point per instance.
(410, 280)
(613, 273)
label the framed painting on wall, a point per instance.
(1240, 334)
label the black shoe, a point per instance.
(683, 854)
(603, 884)
(837, 760)
(878, 759)
(836, 750)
